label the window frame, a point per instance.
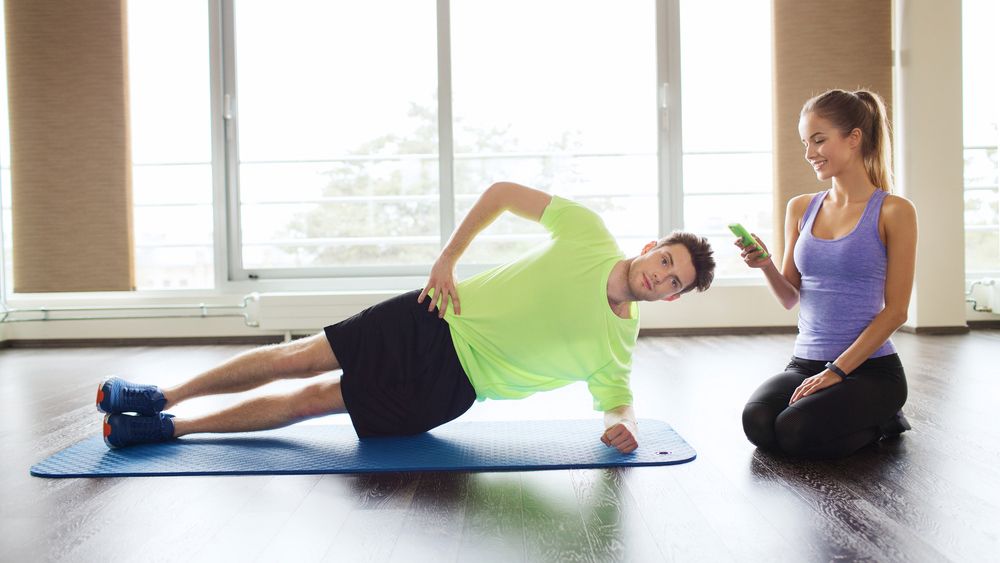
(230, 270)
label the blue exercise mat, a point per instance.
(304, 449)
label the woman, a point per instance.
(849, 262)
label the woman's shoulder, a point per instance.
(797, 205)
(897, 211)
(898, 206)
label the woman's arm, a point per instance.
(784, 284)
(501, 196)
(899, 218)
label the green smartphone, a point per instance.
(745, 236)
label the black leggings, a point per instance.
(833, 422)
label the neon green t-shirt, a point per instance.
(543, 321)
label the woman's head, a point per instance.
(837, 124)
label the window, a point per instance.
(727, 124)
(354, 142)
(171, 132)
(338, 135)
(981, 108)
(557, 110)
(345, 166)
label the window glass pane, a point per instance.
(556, 109)
(981, 109)
(171, 143)
(726, 112)
(337, 106)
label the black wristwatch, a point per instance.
(833, 367)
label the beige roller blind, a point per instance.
(70, 151)
(819, 45)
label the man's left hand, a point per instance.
(621, 436)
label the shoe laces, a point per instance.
(144, 428)
(137, 396)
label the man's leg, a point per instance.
(272, 411)
(306, 357)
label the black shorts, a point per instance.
(401, 372)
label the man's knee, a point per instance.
(305, 357)
(318, 399)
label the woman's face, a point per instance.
(828, 151)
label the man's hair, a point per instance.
(701, 257)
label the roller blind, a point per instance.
(70, 150)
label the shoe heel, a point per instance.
(100, 396)
(106, 431)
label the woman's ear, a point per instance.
(649, 246)
(854, 138)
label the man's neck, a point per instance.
(619, 296)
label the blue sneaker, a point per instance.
(122, 430)
(115, 395)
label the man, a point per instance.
(564, 312)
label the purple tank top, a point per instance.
(843, 284)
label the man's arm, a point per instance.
(621, 429)
(501, 196)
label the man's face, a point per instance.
(661, 273)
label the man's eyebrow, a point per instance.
(669, 255)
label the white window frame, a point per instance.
(231, 274)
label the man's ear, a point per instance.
(673, 297)
(649, 246)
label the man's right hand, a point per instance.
(442, 281)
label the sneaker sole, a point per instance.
(106, 431)
(100, 394)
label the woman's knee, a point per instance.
(758, 424)
(793, 431)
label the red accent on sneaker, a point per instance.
(107, 429)
(100, 395)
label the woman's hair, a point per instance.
(862, 110)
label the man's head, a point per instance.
(671, 267)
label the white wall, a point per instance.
(929, 157)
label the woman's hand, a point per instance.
(751, 255)
(815, 383)
(442, 281)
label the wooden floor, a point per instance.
(932, 495)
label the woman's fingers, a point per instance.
(806, 383)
